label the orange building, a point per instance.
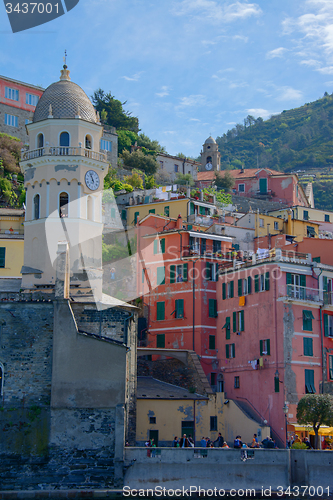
(178, 266)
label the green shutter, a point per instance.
(261, 342)
(208, 272)
(288, 277)
(240, 287)
(160, 311)
(162, 242)
(136, 216)
(179, 308)
(212, 308)
(307, 346)
(227, 354)
(2, 257)
(326, 332)
(231, 289)
(302, 280)
(189, 227)
(305, 215)
(241, 326)
(160, 276)
(172, 274)
(212, 342)
(267, 281)
(227, 328)
(256, 283)
(167, 211)
(276, 384)
(249, 285)
(233, 351)
(325, 283)
(155, 247)
(307, 320)
(309, 382)
(152, 211)
(234, 321)
(124, 214)
(224, 292)
(185, 272)
(160, 340)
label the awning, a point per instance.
(311, 230)
(323, 430)
(209, 236)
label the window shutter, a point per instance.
(224, 294)
(267, 281)
(212, 342)
(208, 272)
(326, 332)
(227, 351)
(234, 321)
(227, 329)
(268, 342)
(233, 352)
(325, 283)
(124, 214)
(241, 326)
(180, 308)
(162, 241)
(307, 346)
(249, 285)
(261, 347)
(2, 257)
(161, 276)
(185, 272)
(256, 283)
(160, 311)
(288, 277)
(152, 211)
(166, 211)
(136, 216)
(211, 308)
(189, 227)
(160, 340)
(231, 289)
(302, 280)
(172, 274)
(240, 287)
(155, 247)
(276, 384)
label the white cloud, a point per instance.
(279, 52)
(164, 91)
(289, 94)
(215, 12)
(194, 120)
(236, 85)
(133, 78)
(264, 113)
(242, 38)
(310, 62)
(192, 100)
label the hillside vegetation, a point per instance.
(297, 139)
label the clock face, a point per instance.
(92, 180)
(209, 166)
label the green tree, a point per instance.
(144, 141)
(315, 410)
(115, 115)
(139, 160)
(225, 181)
(10, 152)
(126, 139)
(184, 179)
(134, 180)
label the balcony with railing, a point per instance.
(209, 252)
(63, 151)
(301, 293)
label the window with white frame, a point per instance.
(12, 94)
(261, 223)
(11, 120)
(106, 145)
(31, 99)
(176, 168)
(276, 225)
(241, 188)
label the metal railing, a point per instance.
(63, 151)
(208, 253)
(297, 292)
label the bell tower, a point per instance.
(210, 156)
(64, 170)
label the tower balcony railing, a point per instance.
(31, 154)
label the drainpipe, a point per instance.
(322, 349)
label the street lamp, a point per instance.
(285, 409)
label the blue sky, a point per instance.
(187, 68)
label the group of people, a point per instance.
(268, 442)
(188, 442)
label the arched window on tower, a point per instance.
(209, 159)
(63, 205)
(88, 142)
(36, 207)
(40, 141)
(64, 139)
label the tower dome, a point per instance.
(210, 140)
(64, 99)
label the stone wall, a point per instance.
(22, 115)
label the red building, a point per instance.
(262, 183)
(178, 266)
(17, 105)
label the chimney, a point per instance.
(179, 223)
(188, 192)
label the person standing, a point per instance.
(183, 443)
(219, 440)
(175, 442)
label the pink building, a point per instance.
(262, 183)
(269, 348)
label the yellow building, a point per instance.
(165, 411)
(11, 242)
(305, 214)
(191, 210)
(281, 222)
